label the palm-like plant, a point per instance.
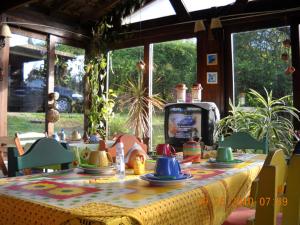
(272, 118)
(138, 102)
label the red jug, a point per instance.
(165, 149)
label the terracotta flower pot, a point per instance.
(285, 57)
(287, 43)
(289, 70)
(140, 65)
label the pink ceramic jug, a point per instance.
(165, 149)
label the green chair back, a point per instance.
(44, 152)
(243, 140)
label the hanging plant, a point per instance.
(286, 56)
(100, 102)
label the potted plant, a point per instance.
(138, 101)
(271, 118)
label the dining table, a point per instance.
(73, 197)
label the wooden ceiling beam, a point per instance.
(96, 13)
(61, 5)
(46, 24)
(241, 1)
(180, 9)
(13, 4)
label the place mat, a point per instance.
(54, 190)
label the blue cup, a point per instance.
(167, 168)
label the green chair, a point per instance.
(243, 140)
(43, 153)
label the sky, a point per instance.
(162, 8)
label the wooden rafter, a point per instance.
(62, 5)
(99, 11)
(13, 4)
(180, 9)
(48, 24)
(241, 1)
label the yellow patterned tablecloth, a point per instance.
(74, 198)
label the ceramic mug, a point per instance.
(224, 154)
(100, 158)
(167, 167)
(165, 149)
(139, 165)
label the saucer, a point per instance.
(91, 169)
(165, 182)
(153, 177)
(228, 164)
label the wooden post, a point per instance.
(50, 78)
(4, 61)
(147, 78)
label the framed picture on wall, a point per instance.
(212, 77)
(212, 59)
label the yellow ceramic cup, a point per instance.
(99, 158)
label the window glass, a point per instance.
(26, 85)
(173, 62)
(69, 72)
(151, 11)
(123, 69)
(258, 63)
(192, 5)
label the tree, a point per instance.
(174, 62)
(258, 64)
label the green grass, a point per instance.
(25, 122)
(35, 122)
(28, 122)
(158, 129)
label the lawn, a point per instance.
(26, 122)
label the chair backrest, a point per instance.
(243, 140)
(277, 158)
(268, 187)
(21, 139)
(44, 152)
(291, 201)
(128, 141)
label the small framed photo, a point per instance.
(212, 77)
(212, 59)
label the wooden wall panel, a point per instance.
(207, 43)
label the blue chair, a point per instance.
(243, 140)
(44, 152)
